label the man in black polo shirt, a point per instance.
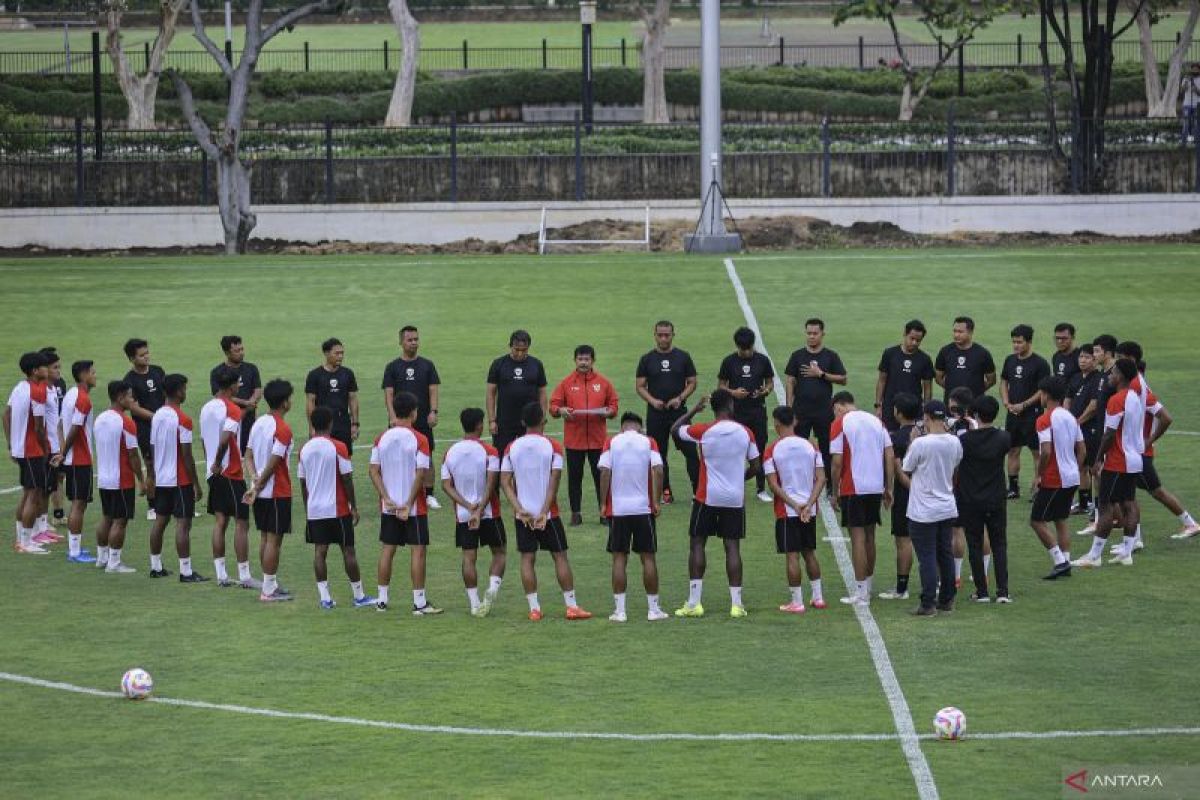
(249, 388)
(1065, 361)
(964, 363)
(903, 369)
(1083, 401)
(748, 376)
(147, 382)
(513, 381)
(419, 377)
(1023, 371)
(333, 386)
(665, 378)
(811, 373)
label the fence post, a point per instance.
(385, 55)
(453, 156)
(1196, 141)
(545, 57)
(861, 54)
(578, 157)
(1019, 49)
(306, 56)
(623, 51)
(203, 178)
(97, 111)
(466, 63)
(826, 162)
(781, 61)
(328, 161)
(950, 151)
(962, 58)
(79, 178)
(146, 54)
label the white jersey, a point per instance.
(53, 417)
(77, 410)
(270, 436)
(323, 462)
(861, 440)
(531, 459)
(169, 429)
(467, 465)
(28, 403)
(399, 452)
(116, 435)
(1060, 429)
(215, 419)
(797, 463)
(725, 447)
(629, 456)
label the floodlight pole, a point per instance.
(587, 18)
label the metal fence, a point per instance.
(386, 57)
(333, 164)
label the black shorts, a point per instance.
(490, 533)
(343, 435)
(175, 501)
(335, 530)
(1091, 444)
(225, 497)
(79, 482)
(35, 473)
(1117, 487)
(1148, 480)
(900, 514)
(861, 510)
(638, 530)
(273, 515)
(1022, 430)
(793, 535)
(1051, 505)
(422, 427)
(756, 421)
(116, 503)
(552, 538)
(399, 532)
(726, 523)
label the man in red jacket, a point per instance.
(585, 400)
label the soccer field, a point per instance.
(288, 700)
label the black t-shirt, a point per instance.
(666, 374)
(964, 367)
(1105, 393)
(148, 392)
(248, 381)
(981, 480)
(332, 390)
(1065, 365)
(812, 396)
(901, 439)
(1083, 390)
(57, 390)
(1023, 376)
(749, 374)
(517, 384)
(415, 377)
(904, 373)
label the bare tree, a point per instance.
(654, 41)
(399, 113)
(222, 145)
(1160, 98)
(141, 91)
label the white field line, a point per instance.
(10, 490)
(901, 716)
(305, 716)
(925, 255)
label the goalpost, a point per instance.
(544, 242)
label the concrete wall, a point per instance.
(440, 223)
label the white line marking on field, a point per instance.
(602, 735)
(10, 490)
(1183, 433)
(925, 255)
(901, 716)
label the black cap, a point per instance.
(935, 409)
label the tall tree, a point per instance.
(223, 144)
(141, 91)
(654, 42)
(950, 24)
(1160, 97)
(399, 113)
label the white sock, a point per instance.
(155, 561)
(1127, 545)
(323, 590)
(219, 566)
(1066, 555)
(419, 598)
(869, 584)
(102, 555)
(356, 587)
(619, 601)
(185, 566)
(814, 586)
(494, 583)
(735, 595)
(382, 592)
(24, 536)
(695, 590)
(114, 556)
(1186, 519)
(652, 602)
(569, 598)
(860, 589)
(472, 597)
(244, 571)
(1056, 555)
(74, 542)
(958, 569)
(42, 524)
(269, 584)
(987, 565)
(533, 601)
(1097, 547)
(797, 595)
(1137, 534)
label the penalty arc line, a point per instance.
(407, 727)
(901, 715)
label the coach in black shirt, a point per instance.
(903, 369)
(1083, 400)
(665, 378)
(964, 363)
(147, 382)
(1065, 361)
(513, 381)
(333, 386)
(748, 375)
(811, 372)
(1023, 371)
(419, 377)
(249, 388)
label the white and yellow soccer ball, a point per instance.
(136, 684)
(949, 723)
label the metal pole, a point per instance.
(710, 108)
(385, 55)
(826, 182)
(861, 54)
(453, 156)
(229, 31)
(306, 56)
(79, 175)
(1020, 47)
(950, 154)
(578, 159)
(623, 63)
(146, 54)
(961, 67)
(97, 110)
(465, 59)
(203, 178)
(587, 77)
(328, 161)
(1196, 142)
(545, 56)
(781, 51)
(67, 44)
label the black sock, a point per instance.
(901, 584)
(1085, 497)
(58, 513)
(1012, 483)
(429, 491)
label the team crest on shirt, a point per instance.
(595, 387)
(409, 373)
(518, 372)
(907, 364)
(1019, 370)
(745, 369)
(962, 361)
(150, 384)
(666, 365)
(333, 384)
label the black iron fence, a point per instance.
(332, 164)
(386, 57)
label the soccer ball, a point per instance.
(136, 684)
(950, 724)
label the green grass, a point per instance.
(1113, 649)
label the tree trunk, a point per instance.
(140, 91)
(399, 113)
(1161, 97)
(907, 104)
(654, 87)
(233, 200)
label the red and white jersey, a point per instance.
(219, 416)
(1060, 429)
(629, 456)
(531, 459)
(77, 410)
(467, 465)
(1153, 409)
(115, 435)
(28, 403)
(169, 430)
(271, 436)
(53, 414)
(725, 447)
(1125, 414)
(322, 463)
(399, 452)
(797, 463)
(861, 440)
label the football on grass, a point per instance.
(136, 684)
(950, 723)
